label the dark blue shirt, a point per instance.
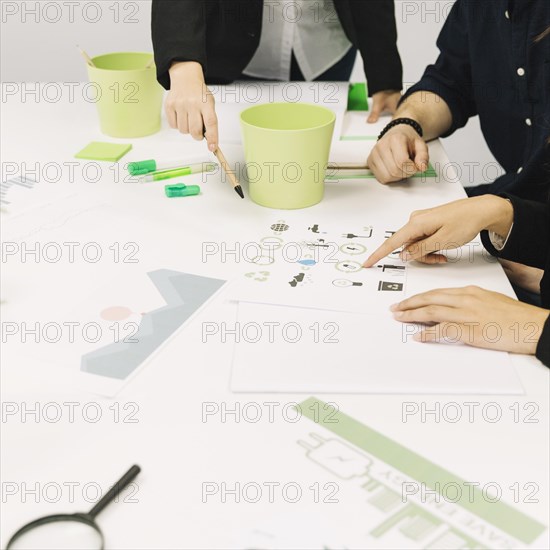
(491, 65)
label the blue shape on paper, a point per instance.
(306, 262)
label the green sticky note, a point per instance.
(358, 97)
(99, 150)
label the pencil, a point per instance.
(226, 168)
(346, 166)
(86, 57)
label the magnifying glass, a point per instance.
(69, 531)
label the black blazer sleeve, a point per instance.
(529, 240)
(370, 25)
(529, 243)
(543, 347)
(178, 30)
(451, 75)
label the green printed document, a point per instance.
(394, 478)
(367, 174)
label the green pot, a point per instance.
(287, 147)
(128, 96)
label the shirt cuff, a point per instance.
(498, 241)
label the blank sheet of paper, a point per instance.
(287, 350)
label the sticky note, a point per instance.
(357, 97)
(99, 150)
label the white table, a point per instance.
(178, 450)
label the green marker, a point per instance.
(142, 167)
(177, 172)
(181, 190)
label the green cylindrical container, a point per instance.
(128, 96)
(287, 148)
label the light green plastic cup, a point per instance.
(287, 148)
(128, 96)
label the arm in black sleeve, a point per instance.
(543, 347)
(371, 26)
(178, 30)
(529, 244)
(532, 183)
(529, 240)
(451, 76)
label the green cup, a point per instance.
(128, 96)
(286, 149)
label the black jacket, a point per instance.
(492, 65)
(529, 244)
(223, 35)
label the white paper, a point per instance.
(316, 351)
(319, 265)
(232, 99)
(356, 127)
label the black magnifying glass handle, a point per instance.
(115, 490)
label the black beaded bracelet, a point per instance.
(398, 121)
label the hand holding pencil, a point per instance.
(189, 105)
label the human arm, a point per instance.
(529, 240)
(179, 36)
(442, 101)
(479, 318)
(445, 227)
(371, 26)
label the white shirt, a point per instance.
(310, 28)
(499, 241)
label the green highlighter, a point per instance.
(181, 190)
(176, 173)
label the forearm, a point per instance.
(182, 71)
(429, 110)
(499, 214)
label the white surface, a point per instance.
(318, 351)
(176, 447)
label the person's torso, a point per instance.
(311, 30)
(510, 74)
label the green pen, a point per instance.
(177, 172)
(142, 167)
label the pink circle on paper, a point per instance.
(116, 313)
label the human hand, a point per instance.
(399, 155)
(476, 317)
(190, 105)
(386, 100)
(523, 276)
(446, 227)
